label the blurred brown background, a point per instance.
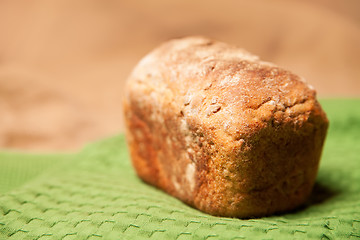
(63, 63)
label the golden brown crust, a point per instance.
(221, 130)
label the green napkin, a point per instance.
(95, 194)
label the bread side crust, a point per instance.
(223, 131)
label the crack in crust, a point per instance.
(221, 130)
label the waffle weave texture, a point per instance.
(95, 194)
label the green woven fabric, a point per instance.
(95, 194)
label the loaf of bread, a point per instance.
(223, 131)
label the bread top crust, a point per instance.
(223, 87)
